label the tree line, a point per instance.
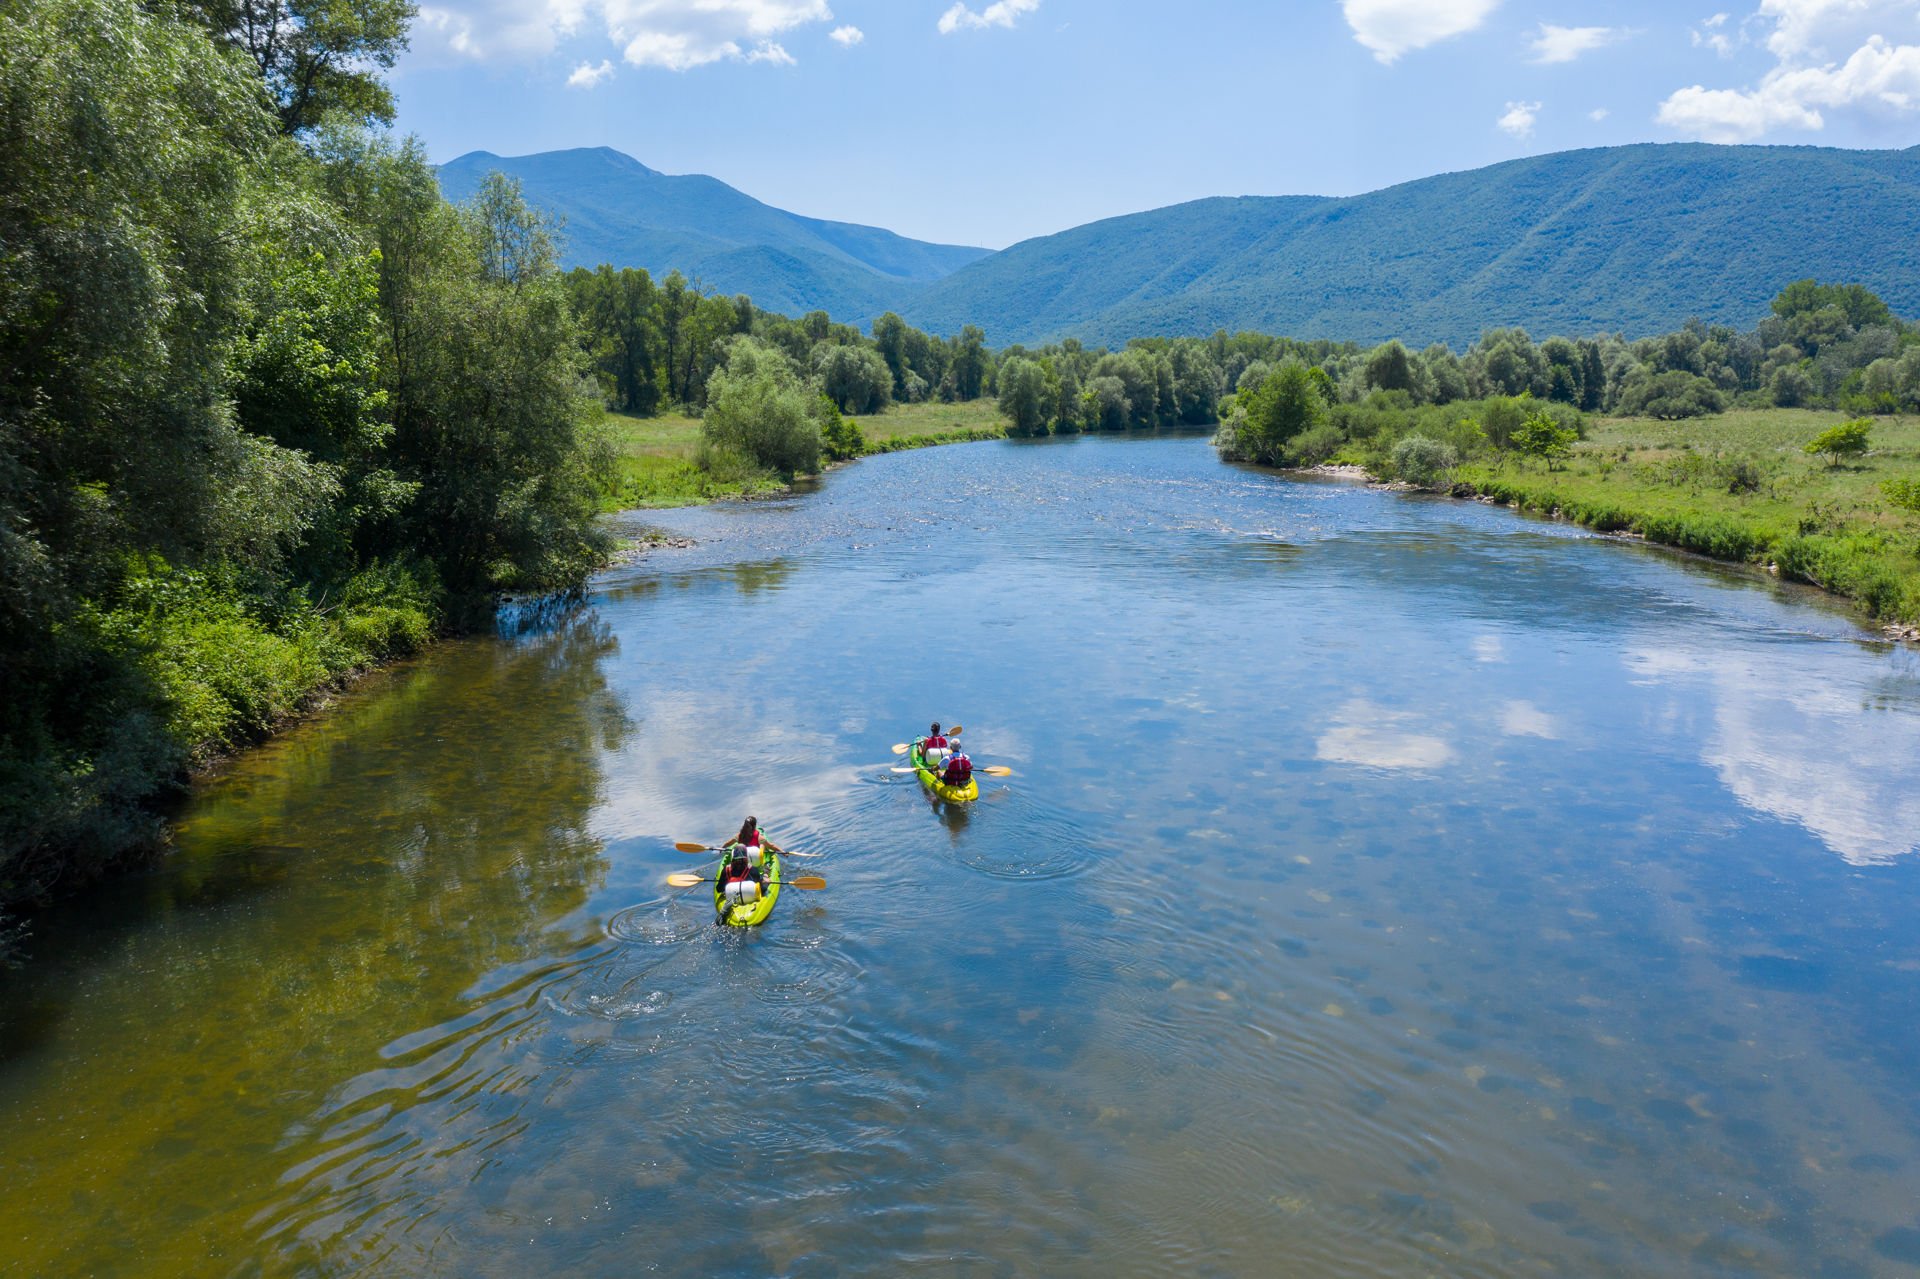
(270, 408)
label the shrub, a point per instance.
(759, 412)
(840, 436)
(1542, 436)
(1848, 439)
(1672, 395)
(1422, 461)
(1312, 447)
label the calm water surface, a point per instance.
(1388, 887)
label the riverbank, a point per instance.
(654, 456)
(1737, 487)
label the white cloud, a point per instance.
(1564, 44)
(1878, 76)
(586, 75)
(1519, 119)
(1393, 27)
(1374, 737)
(1524, 719)
(1597, 114)
(1002, 13)
(846, 37)
(675, 34)
(1712, 34)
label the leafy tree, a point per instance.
(758, 409)
(1848, 439)
(890, 340)
(1390, 368)
(1542, 437)
(970, 363)
(1904, 494)
(1671, 395)
(840, 437)
(855, 378)
(1289, 403)
(1859, 306)
(315, 56)
(1024, 395)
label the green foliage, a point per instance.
(1861, 308)
(760, 412)
(1542, 437)
(1903, 494)
(1289, 402)
(1672, 395)
(269, 412)
(853, 376)
(1025, 396)
(315, 57)
(840, 437)
(1422, 461)
(1315, 445)
(1848, 439)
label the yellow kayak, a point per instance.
(928, 779)
(757, 912)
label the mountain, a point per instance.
(1635, 238)
(618, 210)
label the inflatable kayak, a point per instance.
(746, 916)
(928, 779)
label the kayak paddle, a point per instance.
(687, 879)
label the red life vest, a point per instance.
(959, 771)
(934, 743)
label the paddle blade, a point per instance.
(804, 881)
(998, 770)
(690, 847)
(899, 748)
(955, 731)
(686, 879)
(904, 770)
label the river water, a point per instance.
(1388, 886)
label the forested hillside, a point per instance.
(617, 210)
(1634, 239)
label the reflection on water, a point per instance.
(1385, 887)
(1788, 744)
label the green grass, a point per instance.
(1738, 486)
(654, 464)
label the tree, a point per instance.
(1904, 494)
(1288, 403)
(855, 378)
(1671, 395)
(1024, 395)
(969, 363)
(1848, 439)
(890, 340)
(759, 410)
(1423, 461)
(1542, 437)
(315, 56)
(1390, 368)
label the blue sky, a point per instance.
(988, 122)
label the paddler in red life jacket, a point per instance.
(933, 747)
(959, 770)
(742, 881)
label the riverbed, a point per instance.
(1387, 886)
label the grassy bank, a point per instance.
(1739, 486)
(654, 456)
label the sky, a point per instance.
(985, 122)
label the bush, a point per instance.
(1544, 437)
(1422, 461)
(1672, 395)
(759, 412)
(1849, 439)
(1311, 448)
(841, 437)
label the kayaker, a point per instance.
(959, 769)
(741, 882)
(933, 747)
(748, 839)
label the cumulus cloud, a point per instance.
(1564, 44)
(1392, 27)
(675, 34)
(1810, 77)
(1519, 119)
(1002, 13)
(1597, 114)
(846, 37)
(1712, 34)
(586, 75)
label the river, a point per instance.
(1387, 886)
